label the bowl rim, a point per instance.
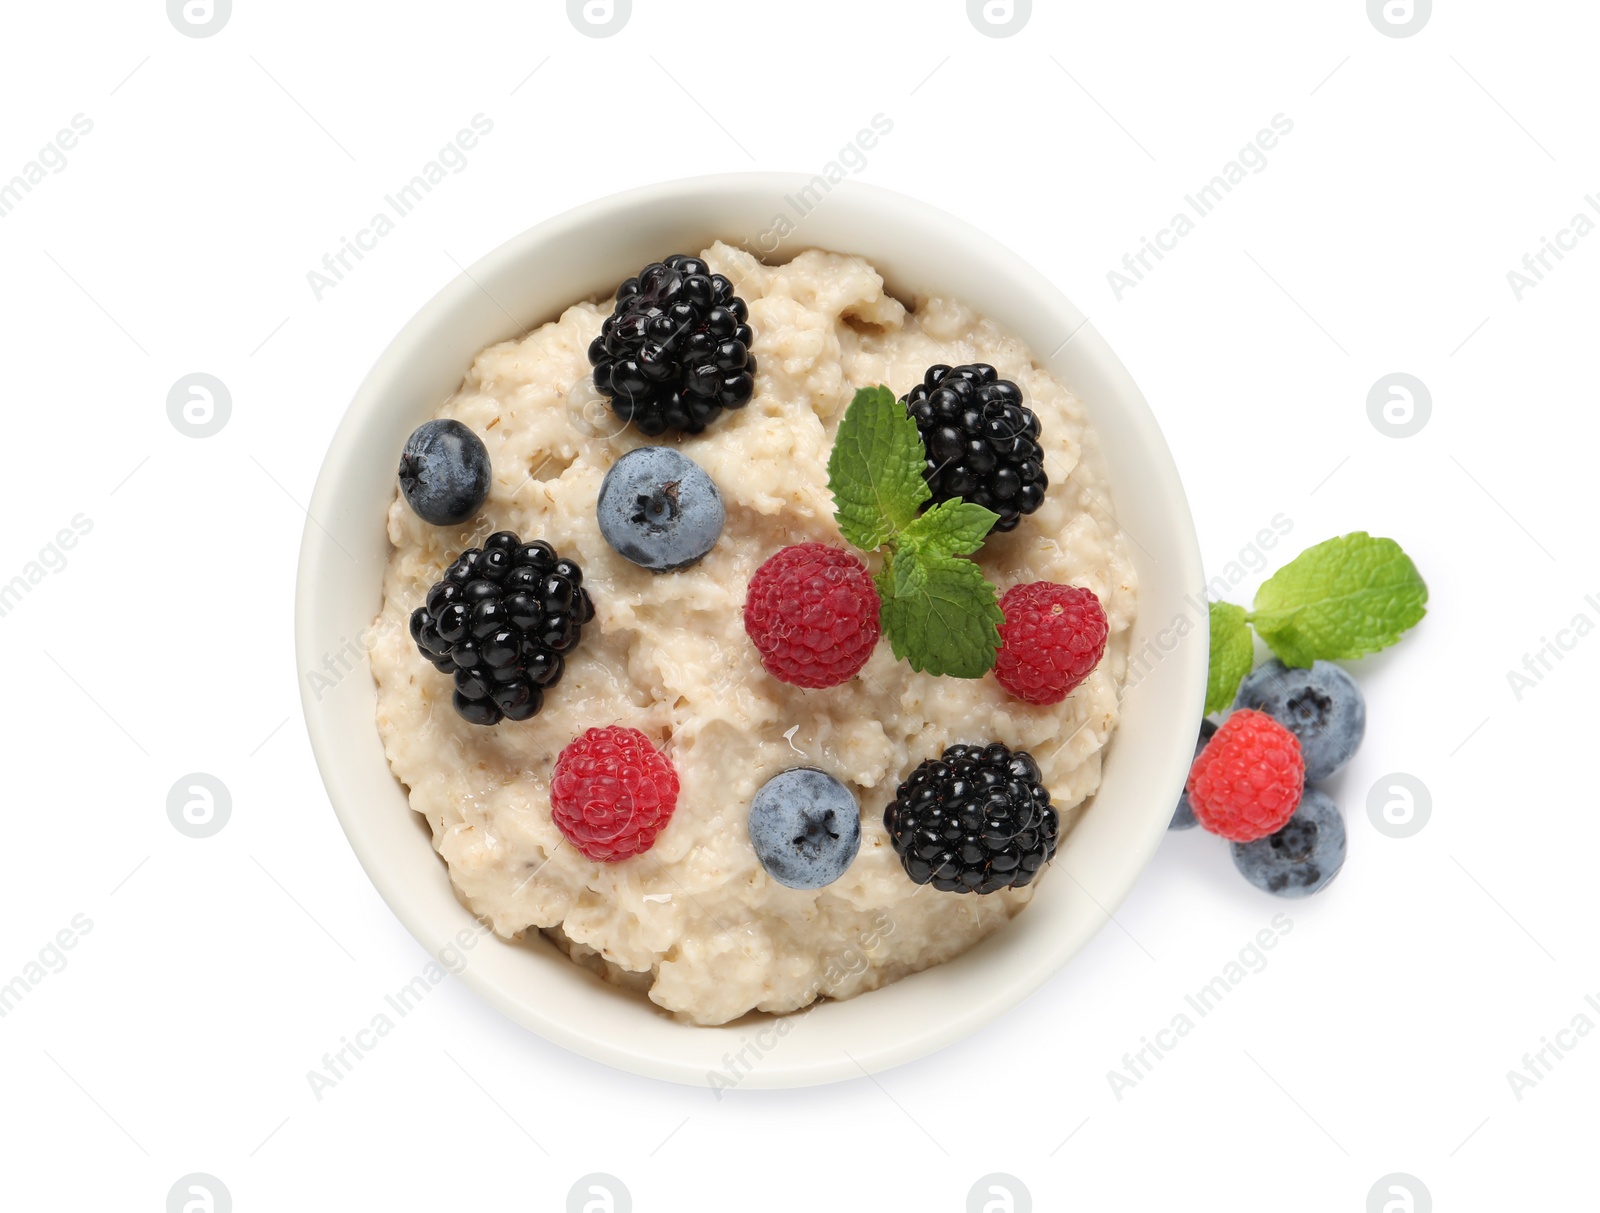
(1182, 678)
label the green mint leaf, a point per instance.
(1340, 600)
(907, 573)
(949, 623)
(951, 528)
(884, 580)
(875, 470)
(938, 611)
(1233, 652)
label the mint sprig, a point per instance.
(938, 610)
(944, 617)
(875, 470)
(951, 528)
(1337, 601)
(1340, 600)
(1233, 652)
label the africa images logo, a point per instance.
(999, 18)
(599, 1193)
(999, 1193)
(1399, 405)
(199, 805)
(1399, 18)
(1399, 1193)
(199, 405)
(599, 18)
(199, 1193)
(199, 18)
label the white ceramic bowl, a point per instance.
(584, 254)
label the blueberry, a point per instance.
(444, 472)
(1300, 858)
(805, 827)
(659, 509)
(1321, 706)
(1183, 818)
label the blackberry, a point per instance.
(973, 820)
(981, 441)
(675, 351)
(500, 621)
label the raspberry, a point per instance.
(612, 792)
(813, 614)
(1052, 638)
(1249, 779)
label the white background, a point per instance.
(1378, 238)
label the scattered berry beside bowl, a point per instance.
(1322, 706)
(612, 792)
(812, 613)
(1336, 601)
(1052, 639)
(501, 621)
(1183, 815)
(1303, 856)
(444, 472)
(805, 828)
(676, 350)
(659, 509)
(1248, 780)
(974, 820)
(982, 442)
